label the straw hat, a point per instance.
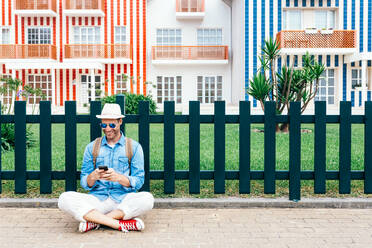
(111, 111)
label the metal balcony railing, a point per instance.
(318, 39)
(189, 6)
(97, 51)
(36, 5)
(85, 4)
(34, 51)
(190, 52)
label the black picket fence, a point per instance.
(344, 175)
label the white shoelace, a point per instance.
(125, 227)
(91, 225)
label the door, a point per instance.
(90, 91)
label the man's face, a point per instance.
(111, 133)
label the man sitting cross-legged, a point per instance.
(112, 177)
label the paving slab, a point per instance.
(193, 227)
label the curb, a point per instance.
(230, 202)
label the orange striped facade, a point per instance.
(71, 56)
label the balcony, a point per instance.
(190, 9)
(36, 7)
(28, 52)
(318, 42)
(190, 54)
(84, 7)
(118, 52)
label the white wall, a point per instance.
(237, 51)
(162, 14)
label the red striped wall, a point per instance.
(3, 12)
(9, 12)
(118, 12)
(131, 44)
(23, 29)
(16, 28)
(60, 87)
(138, 48)
(112, 79)
(125, 12)
(68, 85)
(144, 8)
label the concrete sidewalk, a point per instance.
(224, 227)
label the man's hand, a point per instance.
(113, 176)
(94, 176)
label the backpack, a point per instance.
(128, 150)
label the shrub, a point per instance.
(131, 102)
(8, 137)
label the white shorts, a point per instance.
(79, 204)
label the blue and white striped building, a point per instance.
(335, 32)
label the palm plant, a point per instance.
(288, 84)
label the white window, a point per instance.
(324, 19)
(356, 78)
(6, 95)
(169, 89)
(121, 84)
(120, 35)
(209, 36)
(87, 35)
(168, 37)
(38, 35)
(292, 20)
(43, 82)
(326, 89)
(209, 89)
(4, 36)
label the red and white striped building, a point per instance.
(74, 49)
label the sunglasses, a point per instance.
(104, 125)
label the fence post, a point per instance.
(120, 99)
(95, 129)
(194, 147)
(70, 145)
(269, 147)
(45, 148)
(20, 147)
(219, 147)
(320, 148)
(368, 148)
(295, 151)
(244, 147)
(345, 147)
(169, 147)
(144, 139)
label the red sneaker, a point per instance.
(87, 226)
(135, 224)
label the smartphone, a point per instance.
(103, 167)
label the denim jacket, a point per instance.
(114, 158)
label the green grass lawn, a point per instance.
(206, 153)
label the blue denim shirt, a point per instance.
(114, 158)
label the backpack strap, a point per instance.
(96, 147)
(128, 151)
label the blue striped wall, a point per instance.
(345, 14)
(263, 12)
(246, 49)
(255, 19)
(344, 79)
(360, 98)
(353, 14)
(361, 14)
(369, 24)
